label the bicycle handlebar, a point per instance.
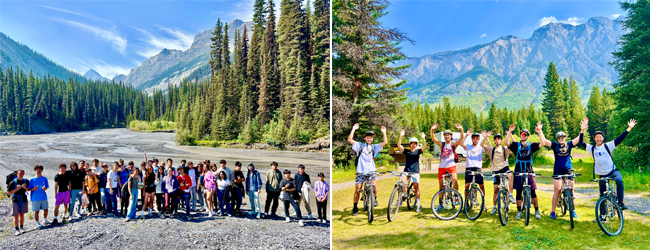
(533, 174)
(566, 175)
(602, 179)
(475, 173)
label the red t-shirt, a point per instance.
(185, 180)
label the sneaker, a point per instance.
(623, 207)
(355, 211)
(538, 215)
(55, 221)
(512, 199)
(553, 216)
(574, 214)
(457, 201)
(162, 216)
(39, 226)
(310, 216)
(518, 216)
(127, 220)
(439, 207)
(229, 215)
(17, 232)
(301, 223)
(251, 213)
(287, 219)
(210, 214)
(484, 209)
(171, 216)
(494, 211)
(376, 204)
(258, 215)
(419, 209)
(77, 216)
(47, 222)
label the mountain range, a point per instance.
(510, 70)
(93, 75)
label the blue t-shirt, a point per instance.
(562, 155)
(124, 176)
(38, 194)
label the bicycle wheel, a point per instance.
(365, 200)
(474, 203)
(446, 204)
(569, 203)
(561, 203)
(526, 205)
(371, 204)
(393, 203)
(410, 197)
(609, 216)
(503, 206)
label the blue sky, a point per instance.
(113, 37)
(439, 26)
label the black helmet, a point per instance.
(525, 131)
(370, 133)
(475, 135)
(560, 134)
(599, 133)
(498, 136)
(447, 132)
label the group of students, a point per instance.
(99, 190)
(523, 150)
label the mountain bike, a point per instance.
(399, 194)
(527, 200)
(474, 199)
(449, 201)
(368, 195)
(503, 202)
(565, 201)
(608, 213)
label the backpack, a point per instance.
(11, 177)
(363, 145)
(504, 153)
(453, 149)
(593, 149)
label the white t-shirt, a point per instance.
(474, 156)
(192, 174)
(447, 156)
(221, 184)
(113, 176)
(604, 164)
(366, 159)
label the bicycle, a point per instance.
(398, 195)
(449, 201)
(607, 210)
(503, 202)
(472, 197)
(565, 201)
(368, 195)
(526, 202)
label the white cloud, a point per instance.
(546, 20)
(615, 16)
(106, 70)
(110, 35)
(62, 10)
(175, 39)
(483, 35)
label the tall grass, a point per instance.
(146, 126)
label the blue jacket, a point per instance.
(174, 183)
(254, 182)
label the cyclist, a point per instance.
(498, 164)
(474, 161)
(447, 155)
(562, 166)
(365, 163)
(604, 163)
(413, 163)
(524, 151)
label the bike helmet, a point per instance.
(498, 136)
(599, 133)
(447, 132)
(476, 135)
(560, 134)
(369, 133)
(413, 139)
(525, 131)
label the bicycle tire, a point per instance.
(472, 192)
(614, 205)
(410, 198)
(371, 205)
(449, 192)
(503, 206)
(569, 203)
(365, 200)
(391, 206)
(561, 203)
(526, 208)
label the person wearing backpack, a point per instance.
(18, 190)
(92, 190)
(132, 185)
(498, 164)
(604, 163)
(524, 151)
(365, 161)
(474, 161)
(448, 156)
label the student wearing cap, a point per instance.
(447, 156)
(498, 164)
(365, 162)
(412, 166)
(273, 190)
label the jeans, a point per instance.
(199, 194)
(193, 195)
(295, 207)
(74, 195)
(302, 198)
(160, 198)
(235, 202)
(618, 178)
(133, 204)
(186, 198)
(103, 192)
(322, 210)
(111, 201)
(170, 205)
(271, 196)
(255, 201)
(94, 202)
(222, 201)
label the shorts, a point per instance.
(39, 205)
(443, 171)
(362, 178)
(20, 208)
(63, 198)
(497, 180)
(415, 177)
(478, 178)
(562, 172)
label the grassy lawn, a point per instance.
(422, 231)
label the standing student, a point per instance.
(447, 156)
(237, 189)
(124, 194)
(303, 181)
(273, 179)
(321, 190)
(185, 182)
(210, 187)
(254, 188)
(92, 190)
(365, 163)
(77, 183)
(149, 190)
(290, 197)
(200, 188)
(113, 190)
(160, 196)
(132, 186)
(524, 151)
(17, 189)
(412, 155)
(223, 168)
(170, 187)
(499, 165)
(191, 171)
(474, 162)
(37, 187)
(222, 190)
(103, 178)
(62, 192)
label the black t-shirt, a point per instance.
(21, 194)
(412, 160)
(77, 178)
(238, 175)
(524, 154)
(63, 181)
(150, 180)
(293, 194)
(301, 179)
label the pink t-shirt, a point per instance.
(210, 184)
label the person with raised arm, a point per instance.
(365, 161)
(524, 151)
(447, 155)
(498, 164)
(412, 155)
(474, 162)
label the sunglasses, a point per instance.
(524, 134)
(560, 138)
